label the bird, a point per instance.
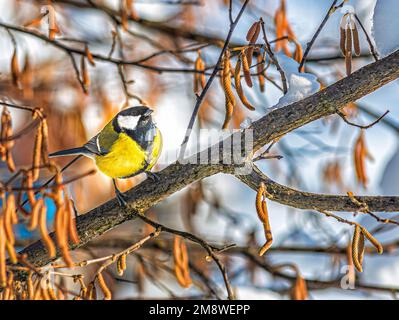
(128, 145)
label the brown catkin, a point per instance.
(60, 229)
(237, 82)
(356, 42)
(9, 218)
(122, 263)
(202, 75)
(182, 271)
(124, 18)
(252, 41)
(3, 270)
(85, 73)
(64, 247)
(251, 31)
(196, 80)
(299, 290)
(373, 240)
(37, 290)
(10, 161)
(4, 122)
(59, 226)
(229, 114)
(34, 217)
(89, 56)
(29, 185)
(342, 42)
(12, 254)
(72, 231)
(259, 196)
(37, 153)
(359, 153)
(53, 27)
(228, 91)
(44, 293)
(298, 54)
(255, 36)
(10, 142)
(180, 277)
(30, 287)
(44, 151)
(265, 247)
(245, 66)
(199, 78)
(361, 248)
(355, 248)
(119, 269)
(261, 209)
(261, 77)
(267, 229)
(226, 79)
(44, 233)
(104, 287)
(8, 292)
(348, 57)
(249, 55)
(51, 293)
(15, 72)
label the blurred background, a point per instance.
(316, 158)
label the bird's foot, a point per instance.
(121, 197)
(152, 175)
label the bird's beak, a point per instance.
(148, 112)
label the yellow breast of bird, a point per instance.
(126, 157)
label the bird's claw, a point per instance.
(121, 197)
(153, 176)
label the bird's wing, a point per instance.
(92, 146)
(102, 142)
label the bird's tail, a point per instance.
(69, 152)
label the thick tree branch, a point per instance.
(311, 201)
(273, 125)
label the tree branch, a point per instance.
(312, 201)
(273, 125)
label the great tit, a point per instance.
(127, 146)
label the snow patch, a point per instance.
(347, 9)
(300, 85)
(386, 26)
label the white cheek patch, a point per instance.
(128, 122)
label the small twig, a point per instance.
(264, 157)
(360, 126)
(364, 208)
(125, 87)
(273, 58)
(372, 49)
(338, 218)
(387, 121)
(323, 23)
(231, 12)
(77, 72)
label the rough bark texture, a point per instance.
(311, 201)
(273, 125)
